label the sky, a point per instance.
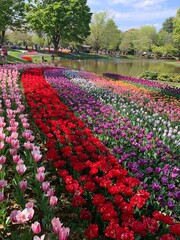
(129, 14)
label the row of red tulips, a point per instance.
(106, 197)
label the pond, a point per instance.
(126, 67)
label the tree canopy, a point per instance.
(11, 15)
(167, 25)
(176, 31)
(68, 19)
(104, 32)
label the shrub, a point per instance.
(168, 77)
(165, 77)
(176, 78)
(149, 75)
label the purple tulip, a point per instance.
(156, 186)
(170, 205)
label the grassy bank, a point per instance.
(175, 63)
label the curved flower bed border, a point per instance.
(91, 174)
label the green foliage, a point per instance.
(127, 41)
(167, 77)
(176, 31)
(97, 30)
(60, 19)
(164, 77)
(168, 25)
(11, 15)
(164, 38)
(167, 49)
(148, 33)
(19, 37)
(111, 35)
(149, 75)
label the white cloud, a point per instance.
(143, 15)
(139, 3)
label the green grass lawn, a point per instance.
(175, 63)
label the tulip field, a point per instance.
(84, 156)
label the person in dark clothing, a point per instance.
(52, 58)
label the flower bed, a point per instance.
(152, 101)
(134, 146)
(91, 174)
(150, 83)
(27, 58)
(109, 202)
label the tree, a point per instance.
(167, 49)
(104, 32)
(149, 33)
(168, 25)
(11, 15)
(111, 35)
(164, 38)
(97, 30)
(19, 37)
(145, 37)
(128, 38)
(67, 19)
(176, 31)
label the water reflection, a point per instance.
(125, 67)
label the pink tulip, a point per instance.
(1, 145)
(45, 186)
(36, 227)
(24, 216)
(14, 135)
(3, 183)
(13, 151)
(20, 162)
(26, 134)
(50, 192)
(15, 143)
(13, 216)
(41, 169)
(2, 159)
(25, 125)
(21, 169)
(2, 136)
(53, 200)
(56, 224)
(40, 176)
(23, 185)
(36, 156)
(29, 204)
(64, 233)
(2, 123)
(16, 158)
(9, 139)
(28, 145)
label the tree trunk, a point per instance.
(55, 41)
(56, 46)
(2, 36)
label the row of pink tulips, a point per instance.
(22, 170)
